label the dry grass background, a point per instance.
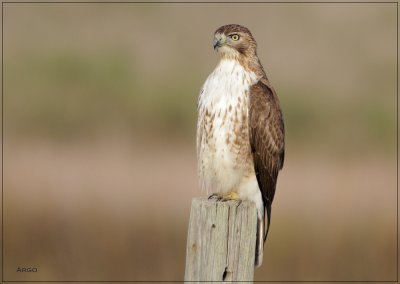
(99, 131)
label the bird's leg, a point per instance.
(225, 197)
(230, 196)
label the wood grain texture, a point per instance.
(221, 241)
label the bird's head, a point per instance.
(232, 41)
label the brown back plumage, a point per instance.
(266, 140)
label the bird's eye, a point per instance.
(235, 37)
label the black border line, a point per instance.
(210, 281)
(199, 2)
(2, 142)
(196, 2)
(397, 136)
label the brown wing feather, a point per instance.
(266, 140)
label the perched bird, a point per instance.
(240, 131)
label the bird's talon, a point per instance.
(214, 196)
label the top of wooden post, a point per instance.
(221, 241)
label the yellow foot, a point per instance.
(221, 197)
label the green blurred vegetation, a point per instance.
(68, 94)
(358, 124)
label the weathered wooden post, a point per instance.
(221, 241)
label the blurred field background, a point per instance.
(99, 137)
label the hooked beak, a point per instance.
(218, 41)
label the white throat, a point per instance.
(228, 79)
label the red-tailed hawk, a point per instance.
(240, 132)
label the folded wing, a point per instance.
(266, 140)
